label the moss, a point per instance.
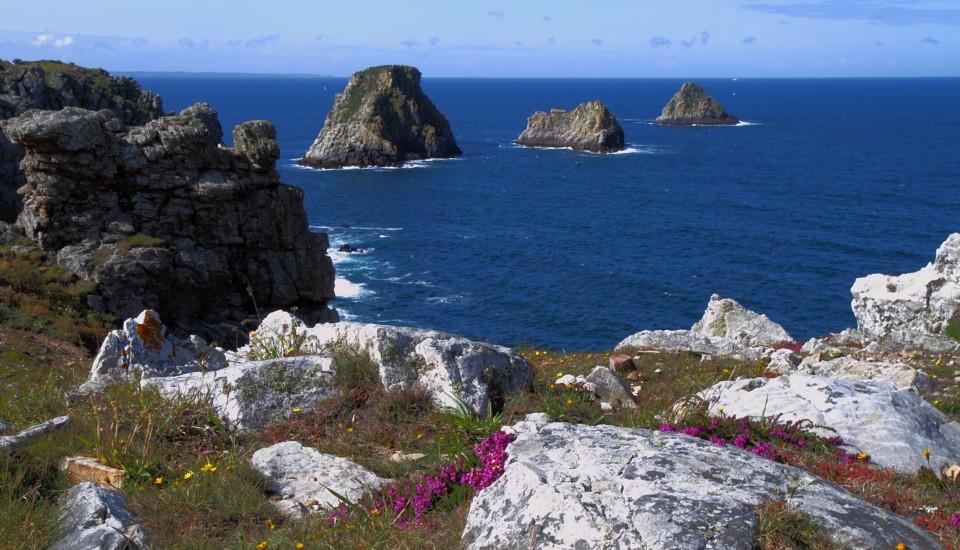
(140, 240)
(953, 328)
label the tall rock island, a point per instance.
(589, 127)
(52, 85)
(382, 118)
(163, 216)
(692, 105)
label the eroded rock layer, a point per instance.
(164, 217)
(382, 118)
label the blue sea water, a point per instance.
(826, 181)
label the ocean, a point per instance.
(826, 180)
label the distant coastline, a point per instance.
(185, 74)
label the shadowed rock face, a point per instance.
(382, 118)
(589, 127)
(164, 217)
(692, 105)
(52, 85)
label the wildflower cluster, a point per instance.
(409, 502)
(769, 439)
(287, 342)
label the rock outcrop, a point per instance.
(97, 518)
(728, 319)
(576, 486)
(891, 425)
(382, 118)
(726, 329)
(164, 217)
(692, 105)
(11, 442)
(52, 85)
(303, 478)
(919, 310)
(589, 127)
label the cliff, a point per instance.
(692, 105)
(589, 127)
(163, 216)
(52, 85)
(382, 118)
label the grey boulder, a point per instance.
(96, 518)
(575, 486)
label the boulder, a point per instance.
(891, 425)
(449, 366)
(611, 389)
(164, 217)
(304, 479)
(96, 518)
(255, 394)
(382, 118)
(589, 127)
(577, 486)
(52, 85)
(692, 105)
(143, 348)
(900, 375)
(916, 310)
(689, 341)
(726, 318)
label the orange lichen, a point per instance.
(150, 332)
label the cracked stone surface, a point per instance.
(890, 424)
(302, 477)
(576, 486)
(97, 518)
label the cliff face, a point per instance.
(589, 127)
(164, 217)
(53, 85)
(382, 118)
(692, 105)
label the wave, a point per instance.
(347, 289)
(453, 298)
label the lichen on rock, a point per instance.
(382, 118)
(589, 127)
(692, 105)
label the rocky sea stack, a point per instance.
(692, 105)
(163, 216)
(382, 118)
(53, 85)
(589, 127)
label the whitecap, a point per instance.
(347, 289)
(446, 299)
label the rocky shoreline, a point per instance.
(182, 234)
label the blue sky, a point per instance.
(523, 38)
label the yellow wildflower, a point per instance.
(350, 430)
(569, 401)
(559, 374)
(720, 410)
(419, 436)
(263, 545)
(271, 525)
(375, 512)
(296, 410)
(926, 453)
(862, 456)
(158, 480)
(901, 546)
(298, 545)
(188, 475)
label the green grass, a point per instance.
(188, 477)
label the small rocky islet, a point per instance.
(589, 127)
(138, 205)
(693, 106)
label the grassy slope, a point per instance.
(188, 478)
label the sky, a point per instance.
(522, 38)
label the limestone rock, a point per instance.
(589, 127)
(891, 425)
(11, 442)
(303, 477)
(164, 217)
(900, 375)
(51, 85)
(726, 318)
(689, 341)
(79, 469)
(382, 118)
(610, 388)
(255, 394)
(143, 347)
(692, 105)
(912, 310)
(447, 365)
(97, 518)
(576, 486)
